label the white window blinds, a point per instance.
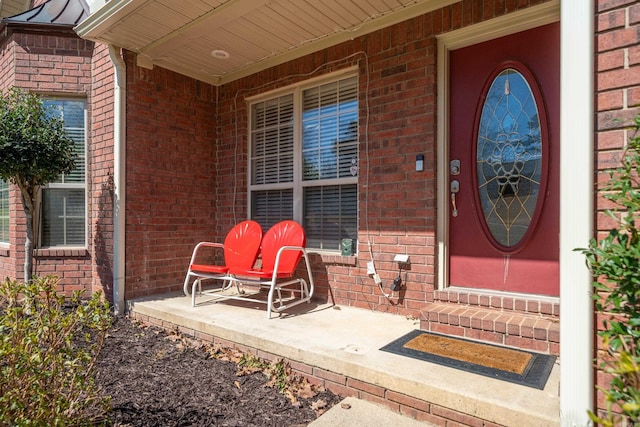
(304, 156)
(330, 215)
(64, 200)
(72, 112)
(272, 206)
(64, 221)
(272, 141)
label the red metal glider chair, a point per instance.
(240, 249)
(283, 245)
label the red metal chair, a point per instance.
(283, 245)
(240, 249)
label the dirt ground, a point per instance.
(156, 378)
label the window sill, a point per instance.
(333, 258)
(4, 250)
(61, 252)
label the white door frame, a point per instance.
(576, 180)
(503, 26)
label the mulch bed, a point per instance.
(157, 378)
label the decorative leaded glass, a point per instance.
(509, 157)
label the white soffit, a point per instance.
(257, 34)
(13, 7)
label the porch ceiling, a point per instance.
(13, 7)
(193, 37)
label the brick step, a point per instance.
(535, 332)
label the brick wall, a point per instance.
(399, 63)
(338, 383)
(617, 103)
(48, 65)
(171, 176)
(8, 265)
(182, 134)
(7, 64)
(101, 165)
(53, 64)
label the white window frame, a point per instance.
(67, 185)
(299, 184)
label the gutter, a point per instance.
(37, 27)
(119, 178)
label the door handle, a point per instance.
(455, 188)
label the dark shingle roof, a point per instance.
(53, 14)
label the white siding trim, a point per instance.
(576, 210)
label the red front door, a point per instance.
(504, 163)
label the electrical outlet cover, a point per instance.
(371, 269)
(402, 258)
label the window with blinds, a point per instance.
(271, 206)
(4, 211)
(63, 219)
(330, 130)
(330, 215)
(303, 161)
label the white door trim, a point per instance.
(503, 26)
(576, 180)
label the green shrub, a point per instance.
(48, 348)
(615, 264)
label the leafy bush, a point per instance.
(34, 151)
(615, 264)
(48, 347)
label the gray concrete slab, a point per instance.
(354, 412)
(347, 340)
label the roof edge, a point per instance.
(92, 27)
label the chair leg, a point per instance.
(185, 287)
(270, 300)
(196, 283)
(238, 290)
(310, 286)
(304, 290)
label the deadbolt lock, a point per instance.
(454, 167)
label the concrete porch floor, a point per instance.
(342, 345)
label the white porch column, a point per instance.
(576, 209)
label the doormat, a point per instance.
(516, 366)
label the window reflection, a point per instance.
(509, 157)
(330, 131)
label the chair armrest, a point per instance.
(279, 253)
(202, 245)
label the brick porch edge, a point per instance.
(339, 384)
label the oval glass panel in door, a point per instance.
(509, 158)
